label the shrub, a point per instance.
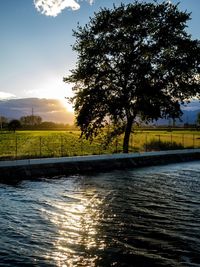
(162, 145)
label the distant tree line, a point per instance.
(31, 122)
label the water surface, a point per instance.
(144, 217)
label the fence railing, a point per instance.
(34, 145)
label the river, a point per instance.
(141, 217)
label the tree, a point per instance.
(31, 120)
(135, 60)
(13, 125)
(3, 122)
(198, 118)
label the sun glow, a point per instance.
(52, 87)
(67, 105)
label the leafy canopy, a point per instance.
(135, 60)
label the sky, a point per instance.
(36, 43)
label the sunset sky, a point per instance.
(36, 39)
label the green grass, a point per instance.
(33, 144)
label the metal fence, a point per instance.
(53, 145)
(21, 145)
(158, 141)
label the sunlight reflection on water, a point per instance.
(76, 223)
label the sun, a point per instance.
(67, 105)
(52, 87)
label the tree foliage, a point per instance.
(3, 122)
(198, 118)
(31, 120)
(135, 60)
(13, 125)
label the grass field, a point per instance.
(31, 144)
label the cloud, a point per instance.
(4, 95)
(48, 109)
(54, 7)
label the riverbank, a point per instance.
(11, 171)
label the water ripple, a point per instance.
(145, 217)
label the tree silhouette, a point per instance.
(3, 122)
(135, 60)
(198, 118)
(31, 120)
(13, 125)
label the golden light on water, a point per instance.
(76, 225)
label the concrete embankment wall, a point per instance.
(11, 171)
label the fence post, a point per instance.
(183, 140)
(40, 146)
(146, 142)
(131, 140)
(193, 140)
(81, 146)
(116, 145)
(61, 145)
(16, 146)
(99, 148)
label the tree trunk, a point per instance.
(127, 135)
